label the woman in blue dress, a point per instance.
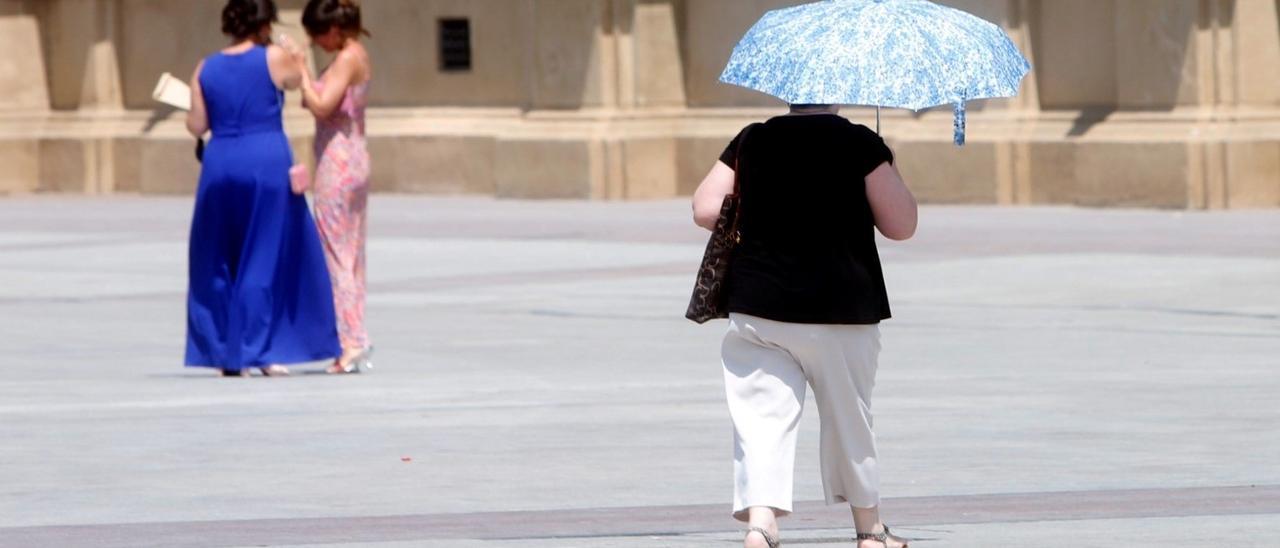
(258, 293)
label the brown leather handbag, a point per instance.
(710, 299)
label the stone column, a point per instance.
(656, 61)
(600, 62)
(570, 65)
(22, 72)
(1158, 56)
(1022, 16)
(100, 89)
(619, 55)
(1255, 37)
(84, 75)
(1219, 154)
(80, 39)
(23, 92)
(1013, 156)
(23, 87)
(1241, 39)
(612, 54)
(653, 81)
(1238, 52)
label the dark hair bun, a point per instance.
(244, 18)
(321, 15)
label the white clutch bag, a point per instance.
(173, 92)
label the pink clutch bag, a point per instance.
(300, 178)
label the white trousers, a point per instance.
(766, 367)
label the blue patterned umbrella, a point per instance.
(885, 53)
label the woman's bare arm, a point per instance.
(892, 204)
(709, 197)
(285, 72)
(341, 73)
(197, 117)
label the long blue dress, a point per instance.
(258, 290)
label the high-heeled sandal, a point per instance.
(362, 361)
(882, 538)
(768, 539)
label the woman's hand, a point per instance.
(295, 51)
(297, 56)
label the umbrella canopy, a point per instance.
(888, 53)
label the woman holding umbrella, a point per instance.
(805, 295)
(805, 291)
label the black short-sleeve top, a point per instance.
(808, 251)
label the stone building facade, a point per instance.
(1157, 103)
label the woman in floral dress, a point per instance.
(341, 190)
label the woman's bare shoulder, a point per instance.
(355, 54)
(355, 60)
(276, 54)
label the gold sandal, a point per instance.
(768, 539)
(882, 538)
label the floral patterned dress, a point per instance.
(341, 200)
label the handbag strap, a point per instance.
(737, 159)
(737, 183)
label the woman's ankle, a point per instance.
(867, 520)
(764, 518)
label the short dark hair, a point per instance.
(321, 15)
(809, 106)
(244, 18)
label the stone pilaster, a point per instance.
(23, 87)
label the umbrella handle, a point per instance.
(960, 123)
(877, 119)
